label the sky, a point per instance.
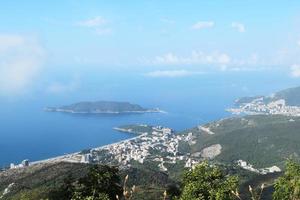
(41, 40)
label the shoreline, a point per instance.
(71, 157)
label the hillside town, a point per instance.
(161, 146)
(259, 106)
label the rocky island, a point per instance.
(101, 107)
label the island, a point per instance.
(101, 107)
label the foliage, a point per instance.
(287, 187)
(39, 194)
(65, 191)
(101, 196)
(101, 183)
(137, 129)
(208, 182)
(173, 191)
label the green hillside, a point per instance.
(263, 141)
(43, 180)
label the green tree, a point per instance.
(101, 183)
(64, 191)
(101, 196)
(173, 191)
(287, 187)
(206, 182)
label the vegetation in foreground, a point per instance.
(203, 182)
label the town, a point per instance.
(160, 145)
(259, 106)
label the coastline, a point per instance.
(75, 157)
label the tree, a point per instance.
(172, 190)
(287, 187)
(206, 182)
(65, 191)
(101, 183)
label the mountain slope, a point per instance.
(261, 140)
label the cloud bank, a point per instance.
(172, 73)
(295, 71)
(21, 58)
(196, 57)
(60, 88)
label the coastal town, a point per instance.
(259, 106)
(154, 144)
(160, 145)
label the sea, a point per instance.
(28, 132)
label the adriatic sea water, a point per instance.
(27, 132)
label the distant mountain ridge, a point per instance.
(95, 107)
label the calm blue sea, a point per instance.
(27, 132)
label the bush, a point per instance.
(208, 182)
(287, 187)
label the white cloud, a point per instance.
(298, 43)
(295, 71)
(172, 73)
(58, 87)
(98, 24)
(93, 22)
(20, 62)
(238, 26)
(203, 25)
(196, 57)
(215, 60)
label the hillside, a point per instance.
(42, 180)
(262, 140)
(101, 107)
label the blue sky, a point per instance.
(159, 39)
